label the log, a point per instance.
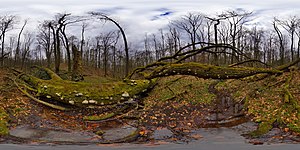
(208, 71)
(83, 94)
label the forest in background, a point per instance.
(65, 40)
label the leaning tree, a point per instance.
(105, 17)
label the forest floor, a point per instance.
(176, 107)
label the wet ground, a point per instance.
(213, 138)
(29, 136)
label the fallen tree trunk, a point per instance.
(82, 94)
(207, 71)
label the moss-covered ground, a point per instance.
(271, 101)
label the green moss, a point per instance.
(182, 88)
(208, 71)
(294, 127)
(100, 132)
(100, 93)
(3, 123)
(263, 128)
(98, 80)
(100, 117)
(274, 98)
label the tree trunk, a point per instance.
(207, 71)
(77, 64)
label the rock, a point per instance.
(118, 133)
(130, 100)
(92, 102)
(78, 94)
(125, 94)
(161, 134)
(72, 102)
(44, 134)
(85, 102)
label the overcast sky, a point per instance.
(140, 16)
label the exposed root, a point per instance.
(38, 100)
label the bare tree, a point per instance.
(77, 65)
(216, 22)
(236, 21)
(155, 47)
(63, 21)
(290, 25)
(28, 41)
(106, 40)
(44, 39)
(126, 49)
(17, 54)
(114, 54)
(56, 26)
(280, 37)
(256, 38)
(190, 23)
(175, 35)
(6, 24)
(83, 28)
